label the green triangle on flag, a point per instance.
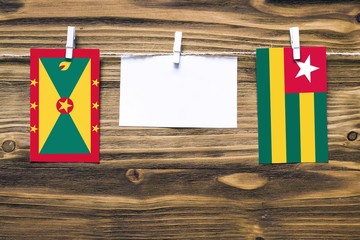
(64, 80)
(64, 138)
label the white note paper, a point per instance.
(200, 92)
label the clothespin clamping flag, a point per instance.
(295, 42)
(292, 118)
(70, 42)
(64, 104)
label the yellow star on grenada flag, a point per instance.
(33, 82)
(33, 105)
(33, 129)
(95, 128)
(95, 105)
(65, 105)
(95, 82)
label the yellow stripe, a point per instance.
(277, 105)
(48, 114)
(307, 127)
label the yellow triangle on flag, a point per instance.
(48, 114)
(81, 96)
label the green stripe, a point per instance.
(263, 96)
(293, 153)
(321, 139)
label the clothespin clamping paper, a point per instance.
(295, 42)
(70, 42)
(177, 47)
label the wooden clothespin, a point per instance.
(177, 47)
(295, 42)
(70, 42)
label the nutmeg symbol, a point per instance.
(64, 65)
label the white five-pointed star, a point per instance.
(306, 69)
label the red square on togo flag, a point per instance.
(307, 74)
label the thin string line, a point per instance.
(129, 54)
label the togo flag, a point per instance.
(292, 105)
(64, 106)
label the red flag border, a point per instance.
(94, 156)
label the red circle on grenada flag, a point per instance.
(64, 105)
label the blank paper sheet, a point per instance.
(200, 92)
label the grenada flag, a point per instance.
(292, 105)
(64, 106)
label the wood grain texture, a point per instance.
(166, 183)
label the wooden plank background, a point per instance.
(168, 183)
